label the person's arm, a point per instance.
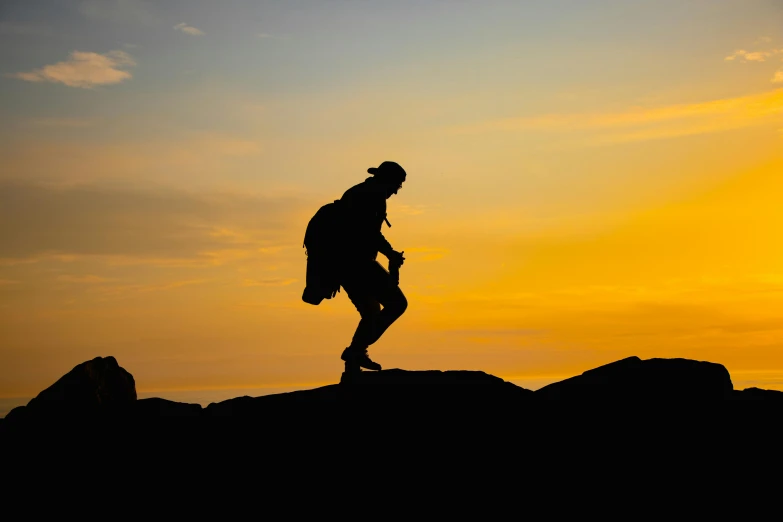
(385, 248)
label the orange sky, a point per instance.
(574, 196)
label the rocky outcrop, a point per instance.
(404, 399)
(97, 386)
(633, 379)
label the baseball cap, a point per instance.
(388, 169)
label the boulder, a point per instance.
(92, 387)
(633, 379)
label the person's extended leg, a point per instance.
(369, 309)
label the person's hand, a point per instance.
(396, 258)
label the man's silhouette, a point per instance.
(366, 282)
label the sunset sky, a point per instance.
(587, 180)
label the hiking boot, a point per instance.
(357, 358)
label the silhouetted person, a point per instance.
(367, 283)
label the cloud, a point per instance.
(754, 56)
(84, 69)
(639, 124)
(187, 29)
(5, 282)
(264, 35)
(763, 39)
(778, 78)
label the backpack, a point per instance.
(323, 244)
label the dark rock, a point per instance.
(431, 390)
(757, 394)
(96, 386)
(16, 415)
(404, 402)
(302, 402)
(157, 407)
(633, 379)
(382, 394)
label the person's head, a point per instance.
(390, 175)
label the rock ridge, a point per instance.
(101, 388)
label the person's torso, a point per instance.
(364, 212)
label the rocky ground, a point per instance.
(672, 424)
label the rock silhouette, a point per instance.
(757, 394)
(633, 379)
(91, 388)
(385, 393)
(99, 387)
(157, 407)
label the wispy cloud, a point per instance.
(84, 69)
(752, 56)
(119, 226)
(188, 29)
(6, 282)
(758, 56)
(639, 123)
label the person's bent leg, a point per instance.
(388, 294)
(394, 305)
